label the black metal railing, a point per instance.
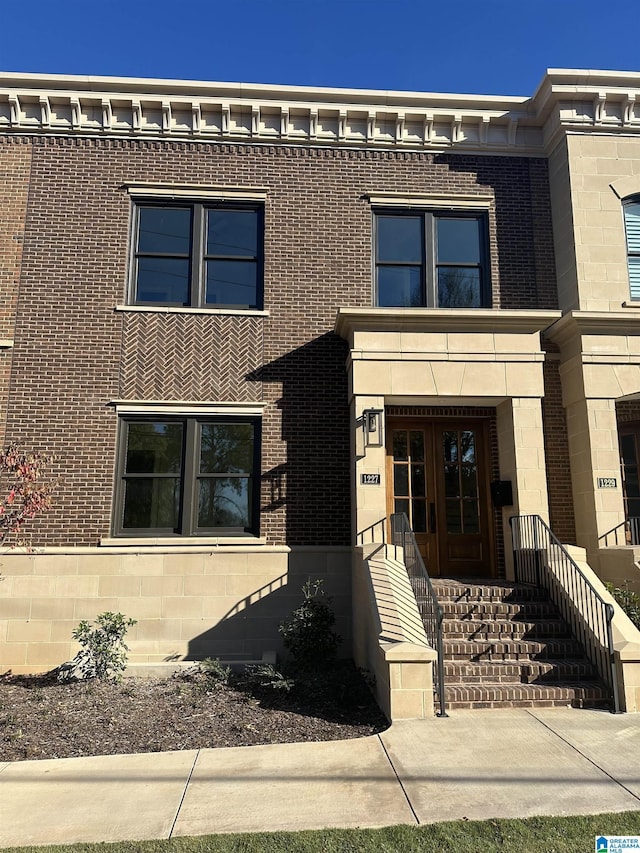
(625, 533)
(402, 535)
(540, 559)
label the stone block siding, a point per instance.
(74, 353)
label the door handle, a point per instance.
(432, 517)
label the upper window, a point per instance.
(197, 255)
(632, 228)
(431, 259)
(187, 476)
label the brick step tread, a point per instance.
(536, 597)
(499, 609)
(562, 669)
(508, 594)
(506, 680)
(511, 650)
(457, 627)
(497, 692)
(529, 703)
(515, 636)
(457, 591)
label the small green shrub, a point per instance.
(267, 676)
(628, 600)
(104, 651)
(368, 677)
(215, 670)
(308, 635)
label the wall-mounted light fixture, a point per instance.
(372, 421)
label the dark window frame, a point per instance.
(197, 256)
(634, 293)
(430, 264)
(189, 477)
(629, 429)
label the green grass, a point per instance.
(533, 835)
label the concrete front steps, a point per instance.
(506, 646)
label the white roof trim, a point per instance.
(567, 101)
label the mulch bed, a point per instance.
(40, 718)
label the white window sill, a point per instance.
(181, 542)
(166, 309)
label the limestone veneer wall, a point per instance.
(620, 565)
(389, 637)
(190, 603)
(626, 637)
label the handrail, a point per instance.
(432, 614)
(540, 559)
(629, 531)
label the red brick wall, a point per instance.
(556, 449)
(74, 353)
(15, 164)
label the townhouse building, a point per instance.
(253, 322)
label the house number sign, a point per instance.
(370, 479)
(607, 482)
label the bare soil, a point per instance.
(40, 718)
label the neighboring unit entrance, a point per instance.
(629, 437)
(437, 473)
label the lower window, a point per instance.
(187, 476)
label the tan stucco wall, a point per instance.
(194, 603)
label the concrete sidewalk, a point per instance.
(475, 764)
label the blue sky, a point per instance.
(490, 47)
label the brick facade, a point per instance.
(15, 165)
(75, 354)
(551, 365)
(556, 449)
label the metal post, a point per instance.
(612, 660)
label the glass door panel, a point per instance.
(437, 475)
(462, 502)
(409, 478)
(460, 481)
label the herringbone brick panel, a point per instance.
(190, 357)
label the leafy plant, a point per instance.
(215, 670)
(25, 491)
(368, 677)
(266, 675)
(628, 600)
(308, 635)
(104, 652)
